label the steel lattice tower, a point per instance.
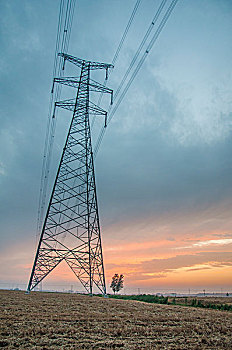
(71, 230)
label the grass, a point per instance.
(148, 298)
(187, 301)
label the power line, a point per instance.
(137, 68)
(57, 72)
(126, 31)
(62, 42)
(120, 45)
(134, 11)
(153, 22)
(139, 65)
(48, 129)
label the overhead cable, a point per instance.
(137, 68)
(120, 45)
(65, 20)
(114, 60)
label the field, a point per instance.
(71, 321)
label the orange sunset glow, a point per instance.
(179, 263)
(139, 163)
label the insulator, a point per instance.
(53, 86)
(105, 120)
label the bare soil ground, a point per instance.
(70, 321)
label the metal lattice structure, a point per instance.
(71, 230)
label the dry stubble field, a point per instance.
(69, 321)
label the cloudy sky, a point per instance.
(164, 167)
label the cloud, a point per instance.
(180, 261)
(160, 268)
(210, 242)
(171, 239)
(206, 126)
(138, 276)
(163, 172)
(199, 269)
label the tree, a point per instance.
(117, 283)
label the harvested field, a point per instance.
(70, 321)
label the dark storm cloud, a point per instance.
(148, 165)
(25, 80)
(149, 172)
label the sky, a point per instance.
(163, 171)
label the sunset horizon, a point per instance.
(163, 171)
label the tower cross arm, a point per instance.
(80, 62)
(94, 109)
(74, 82)
(70, 105)
(66, 104)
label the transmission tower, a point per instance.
(71, 230)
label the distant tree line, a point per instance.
(157, 299)
(198, 303)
